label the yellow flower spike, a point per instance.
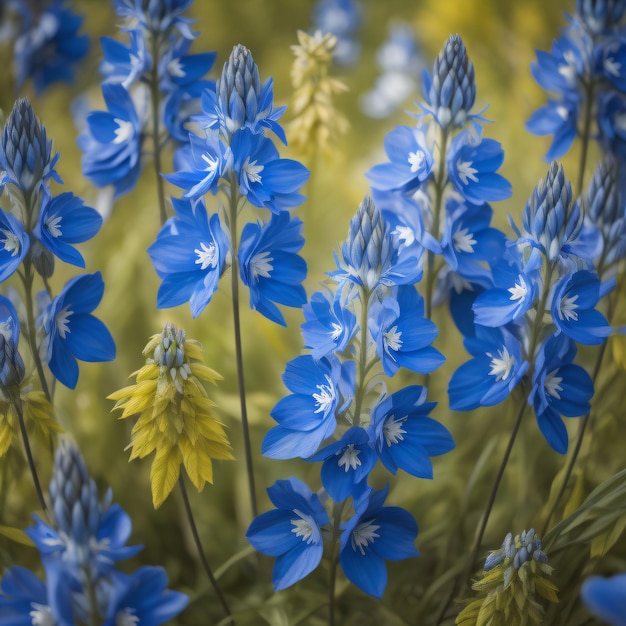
(175, 415)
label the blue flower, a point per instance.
(111, 142)
(125, 64)
(270, 266)
(23, 599)
(599, 15)
(375, 533)
(404, 435)
(321, 390)
(402, 334)
(189, 255)
(329, 325)
(15, 244)
(71, 332)
(347, 464)
(411, 161)
(157, 17)
(558, 118)
(493, 373)
(559, 388)
(65, 220)
(292, 533)
(472, 164)
(342, 18)
(606, 598)
(264, 178)
(11, 364)
(573, 312)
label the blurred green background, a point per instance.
(501, 38)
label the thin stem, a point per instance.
(92, 597)
(196, 539)
(234, 201)
(586, 135)
(29, 454)
(154, 103)
(363, 368)
(334, 558)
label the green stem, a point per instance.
(91, 597)
(154, 103)
(363, 368)
(234, 202)
(196, 539)
(586, 135)
(334, 559)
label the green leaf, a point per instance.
(17, 535)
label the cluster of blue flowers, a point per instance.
(341, 18)
(40, 227)
(79, 549)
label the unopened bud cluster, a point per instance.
(169, 355)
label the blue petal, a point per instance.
(296, 564)
(367, 571)
(271, 532)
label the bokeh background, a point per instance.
(501, 38)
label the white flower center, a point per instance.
(336, 331)
(252, 171)
(364, 534)
(405, 235)
(207, 255)
(305, 527)
(325, 399)
(466, 172)
(416, 159)
(501, 365)
(53, 223)
(211, 163)
(11, 242)
(126, 618)
(261, 265)
(393, 431)
(123, 131)
(611, 66)
(391, 339)
(350, 458)
(552, 384)
(62, 321)
(463, 240)
(567, 308)
(519, 290)
(41, 615)
(174, 68)
(6, 330)
(562, 112)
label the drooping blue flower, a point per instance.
(14, 242)
(558, 118)
(573, 312)
(404, 435)
(320, 391)
(606, 598)
(269, 264)
(189, 255)
(410, 161)
(560, 388)
(373, 535)
(71, 332)
(329, 325)
(125, 64)
(472, 164)
(493, 373)
(111, 142)
(65, 220)
(292, 532)
(402, 334)
(263, 177)
(347, 464)
(23, 599)
(11, 365)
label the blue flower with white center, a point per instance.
(404, 435)
(610, 116)
(24, 599)
(558, 118)
(156, 16)
(179, 69)
(125, 64)
(612, 58)
(189, 255)
(329, 325)
(65, 220)
(111, 142)
(402, 334)
(559, 388)
(270, 266)
(347, 464)
(204, 162)
(606, 598)
(599, 15)
(263, 177)
(292, 532)
(411, 161)
(320, 391)
(71, 332)
(11, 364)
(373, 535)
(493, 373)
(573, 312)
(472, 164)
(516, 287)
(14, 244)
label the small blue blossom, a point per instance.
(404, 435)
(606, 598)
(125, 64)
(599, 15)
(292, 532)
(23, 599)
(558, 118)
(71, 332)
(270, 266)
(157, 17)
(342, 18)
(374, 534)
(189, 255)
(14, 242)
(11, 365)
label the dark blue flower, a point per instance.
(11, 364)
(270, 266)
(320, 390)
(189, 255)
(23, 599)
(157, 17)
(404, 435)
(14, 242)
(125, 64)
(374, 534)
(606, 598)
(71, 332)
(558, 118)
(599, 15)
(292, 532)
(402, 334)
